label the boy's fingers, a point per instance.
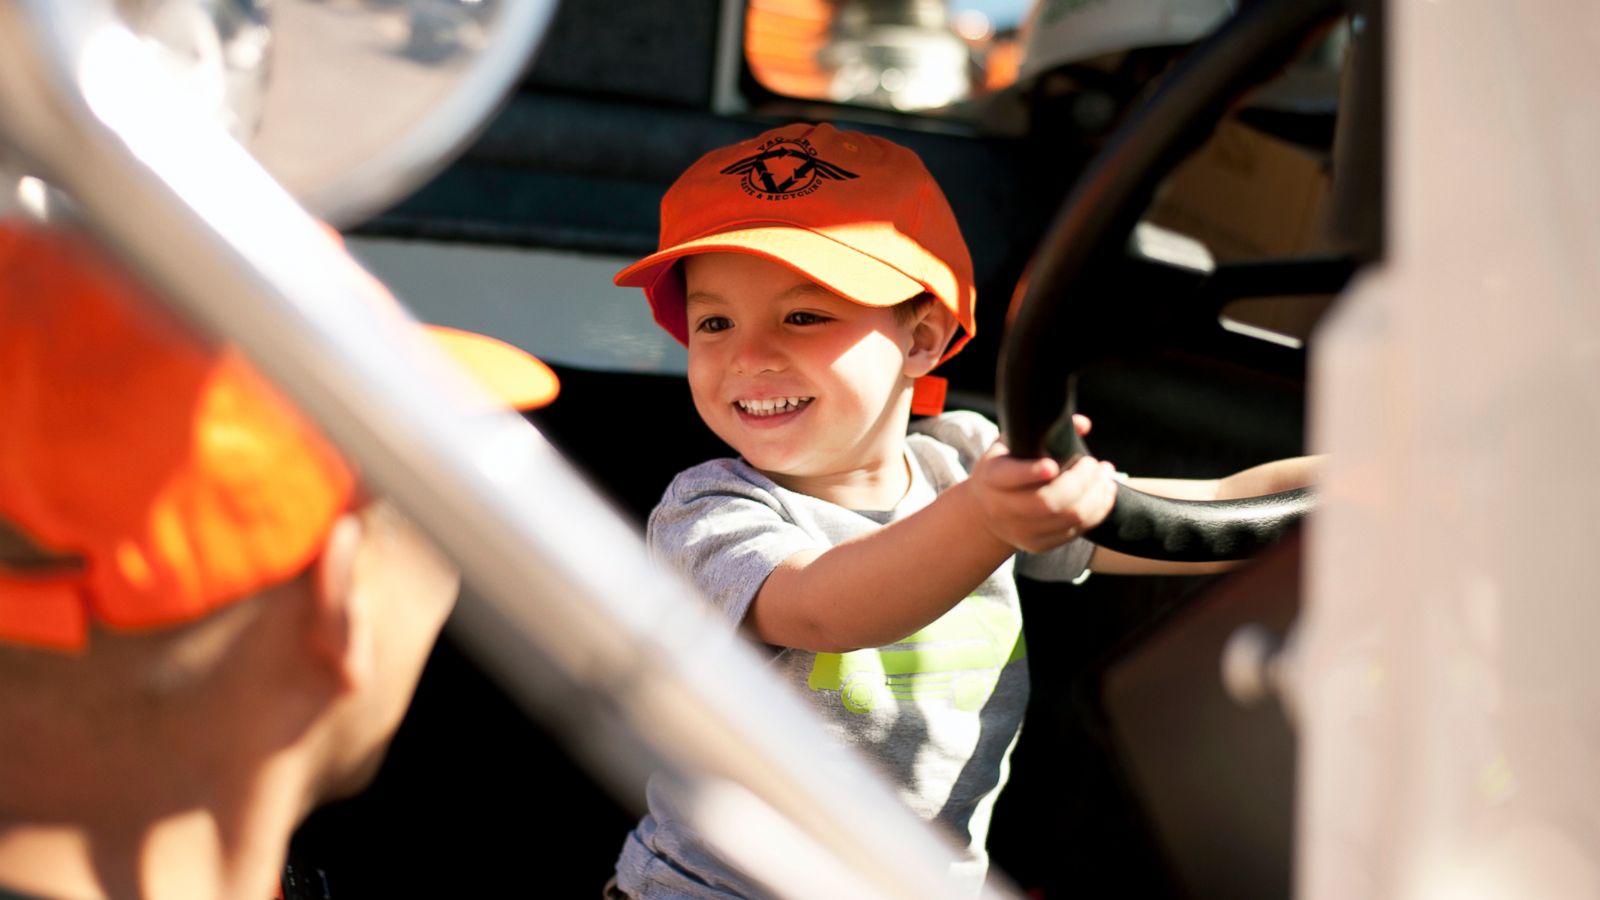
(1004, 471)
(1104, 498)
(1081, 423)
(1010, 474)
(1073, 494)
(1084, 472)
(1076, 501)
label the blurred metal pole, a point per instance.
(556, 572)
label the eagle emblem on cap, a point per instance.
(785, 169)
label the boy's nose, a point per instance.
(757, 351)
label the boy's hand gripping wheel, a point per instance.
(1068, 313)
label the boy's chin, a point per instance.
(762, 457)
(774, 466)
(766, 465)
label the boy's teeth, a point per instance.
(773, 406)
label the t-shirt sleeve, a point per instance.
(1067, 562)
(968, 433)
(725, 533)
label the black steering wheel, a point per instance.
(1069, 313)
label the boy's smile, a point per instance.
(810, 388)
(768, 408)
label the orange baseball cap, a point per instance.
(166, 477)
(857, 214)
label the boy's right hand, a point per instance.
(1035, 505)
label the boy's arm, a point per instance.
(881, 586)
(1267, 478)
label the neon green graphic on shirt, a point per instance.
(960, 656)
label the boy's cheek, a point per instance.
(701, 395)
(707, 409)
(699, 379)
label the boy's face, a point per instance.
(807, 386)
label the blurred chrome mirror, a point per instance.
(350, 104)
(367, 99)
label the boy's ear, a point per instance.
(338, 634)
(931, 332)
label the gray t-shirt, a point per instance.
(939, 711)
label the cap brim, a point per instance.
(845, 271)
(510, 375)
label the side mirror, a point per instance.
(349, 104)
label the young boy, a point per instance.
(817, 277)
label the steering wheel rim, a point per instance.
(1046, 341)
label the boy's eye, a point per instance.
(801, 317)
(712, 324)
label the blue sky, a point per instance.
(1001, 13)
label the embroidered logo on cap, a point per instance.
(785, 168)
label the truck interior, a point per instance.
(1191, 220)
